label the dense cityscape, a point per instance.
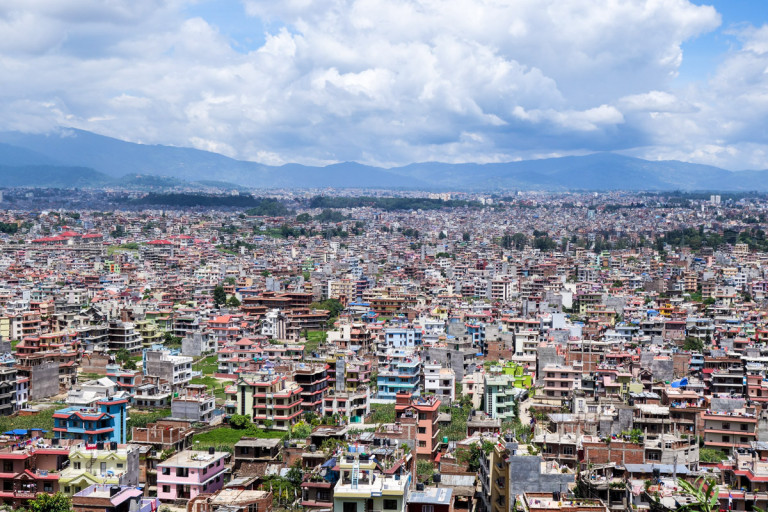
(383, 351)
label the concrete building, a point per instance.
(440, 382)
(111, 498)
(124, 336)
(361, 489)
(176, 370)
(190, 473)
(113, 465)
(268, 397)
(194, 404)
(421, 412)
(104, 423)
(7, 390)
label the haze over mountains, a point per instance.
(76, 158)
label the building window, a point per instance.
(47, 487)
(390, 504)
(422, 444)
(166, 488)
(76, 465)
(7, 466)
(743, 426)
(350, 506)
(427, 508)
(422, 430)
(726, 426)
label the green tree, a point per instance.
(332, 305)
(705, 495)
(711, 455)
(239, 421)
(465, 237)
(233, 302)
(219, 296)
(693, 344)
(300, 430)
(424, 469)
(50, 503)
(122, 356)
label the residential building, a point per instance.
(421, 412)
(7, 390)
(194, 404)
(176, 370)
(190, 473)
(360, 488)
(112, 498)
(268, 397)
(440, 382)
(104, 423)
(112, 465)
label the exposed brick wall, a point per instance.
(618, 452)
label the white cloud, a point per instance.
(386, 81)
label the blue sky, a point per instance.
(702, 54)
(391, 82)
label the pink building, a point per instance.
(189, 473)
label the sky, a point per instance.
(392, 82)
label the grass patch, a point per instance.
(223, 439)
(88, 376)
(215, 386)
(382, 413)
(314, 340)
(43, 419)
(208, 365)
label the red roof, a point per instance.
(159, 242)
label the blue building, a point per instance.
(401, 373)
(403, 337)
(104, 423)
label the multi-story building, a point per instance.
(176, 370)
(106, 422)
(399, 374)
(729, 431)
(313, 379)
(361, 489)
(28, 471)
(268, 398)
(500, 396)
(401, 337)
(421, 412)
(7, 390)
(559, 383)
(123, 336)
(113, 465)
(440, 382)
(187, 474)
(194, 404)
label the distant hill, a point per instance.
(51, 176)
(97, 159)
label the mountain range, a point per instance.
(77, 158)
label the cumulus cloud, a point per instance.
(386, 81)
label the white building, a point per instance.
(440, 381)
